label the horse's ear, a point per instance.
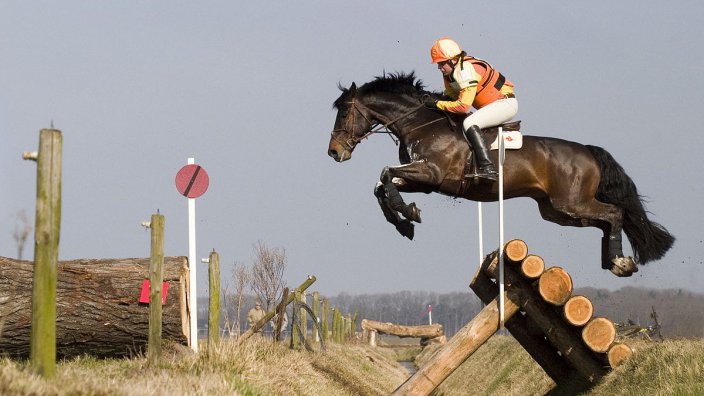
(353, 88)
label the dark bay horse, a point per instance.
(573, 184)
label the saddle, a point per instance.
(512, 140)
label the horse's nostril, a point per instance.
(333, 153)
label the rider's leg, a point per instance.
(486, 167)
(490, 115)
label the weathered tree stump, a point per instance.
(97, 306)
(555, 286)
(599, 334)
(578, 310)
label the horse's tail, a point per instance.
(649, 240)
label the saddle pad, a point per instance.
(513, 140)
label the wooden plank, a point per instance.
(460, 347)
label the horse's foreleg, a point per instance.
(403, 226)
(414, 177)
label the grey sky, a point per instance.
(245, 88)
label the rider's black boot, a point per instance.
(486, 167)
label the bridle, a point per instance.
(374, 127)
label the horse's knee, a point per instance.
(386, 175)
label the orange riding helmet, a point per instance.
(444, 49)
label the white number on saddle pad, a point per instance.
(513, 140)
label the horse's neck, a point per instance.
(402, 116)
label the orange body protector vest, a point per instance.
(492, 86)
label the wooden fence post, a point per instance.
(214, 303)
(333, 325)
(263, 321)
(316, 318)
(46, 253)
(156, 276)
(295, 337)
(326, 316)
(304, 316)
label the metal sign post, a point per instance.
(502, 157)
(192, 182)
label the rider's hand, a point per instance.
(429, 102)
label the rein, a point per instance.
(375, 127)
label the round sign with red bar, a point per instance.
(192, 181)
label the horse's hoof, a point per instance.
(406, 228)
(413, 212)
(623, 266)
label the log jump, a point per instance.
(556, 328)
(97, 306)
(427, 333)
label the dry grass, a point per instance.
(502, 367)
(255, 368)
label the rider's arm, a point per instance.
(467, 79)
(463, 103)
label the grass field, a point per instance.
(258, 367)
(502, 367)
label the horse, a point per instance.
(574, 184)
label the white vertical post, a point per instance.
(481, 232)
(430, 314)
(193, 295)
(501, 227)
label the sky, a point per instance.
(246, 88)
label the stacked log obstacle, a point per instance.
(98, 312)
(428, 334)
(556, 328)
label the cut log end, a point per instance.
(555, 286)
(515, 250)
(618, 353)
(599, 334)
(578, 310)
(532, 266)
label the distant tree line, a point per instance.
(680, 312)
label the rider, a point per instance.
(473, 82)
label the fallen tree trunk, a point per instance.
(97, 306)
(424, 331)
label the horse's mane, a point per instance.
(399, 83)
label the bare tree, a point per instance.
(241, 277)
(268, 273)
(21, 233)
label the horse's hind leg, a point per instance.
(593, 213)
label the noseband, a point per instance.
(374, 127)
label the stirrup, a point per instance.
(483, 174)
